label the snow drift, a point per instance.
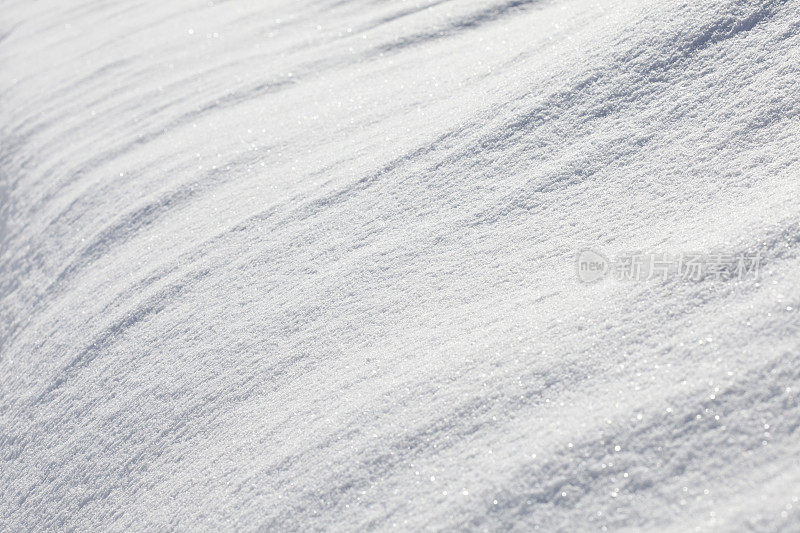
(299, 265)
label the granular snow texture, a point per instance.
(292, 265)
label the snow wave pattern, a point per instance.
(309, 265)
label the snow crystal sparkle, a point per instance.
(292, 265)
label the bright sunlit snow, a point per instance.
(295, 266)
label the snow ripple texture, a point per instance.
(294, 265)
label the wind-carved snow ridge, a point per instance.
(312, 265)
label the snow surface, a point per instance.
(296, 265)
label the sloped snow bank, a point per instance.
(310, 265)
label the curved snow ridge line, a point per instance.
(129, 224)
(150, 307)
(606, 86)
(662, 447)
(111, 156)
(458, 27)
(517, 501)
(399, 14)
(145, 137)
(210, 371)
(400, 454)
(113, 236)
(86, 167)
(744, 17)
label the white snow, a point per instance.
(296, 265)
